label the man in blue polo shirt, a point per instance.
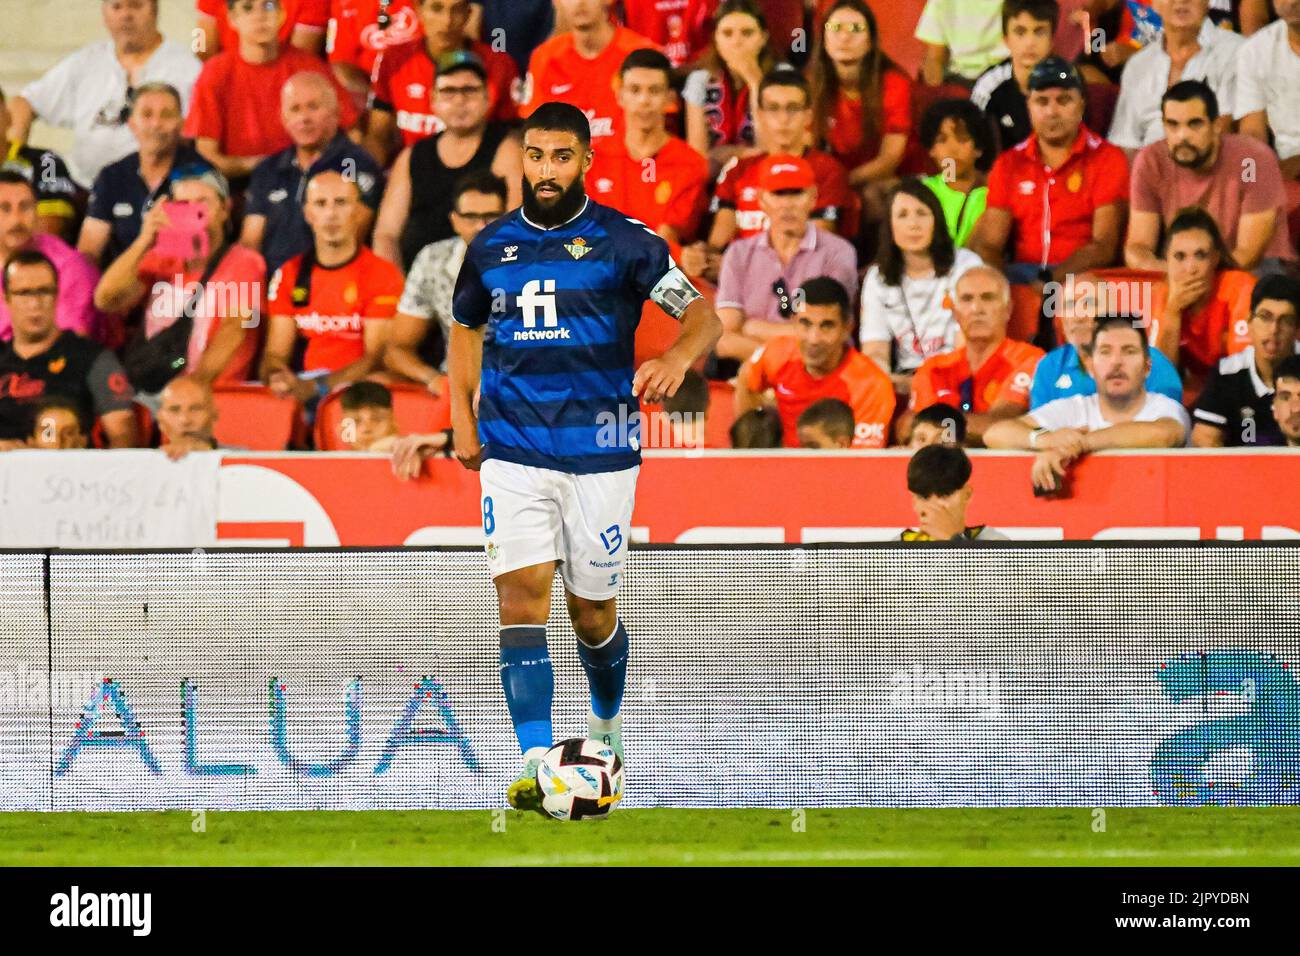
(1067, 370)
(273, 220)
(125, 190)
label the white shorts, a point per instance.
(535, 515)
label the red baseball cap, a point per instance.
(786, 172)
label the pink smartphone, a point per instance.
(186, 237)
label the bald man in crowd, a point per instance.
(186, 417)
(273, 220)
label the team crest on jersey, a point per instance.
(578, 248)
(57, 365)
(1075, 182)
(350, 294)
(663, 192)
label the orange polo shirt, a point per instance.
(857, 382)
(1007, 375)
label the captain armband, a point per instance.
(674, 292)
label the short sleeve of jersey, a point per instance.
(100, 204)
(1112, 176)
(1061, 413)
(204, 120)
(385, 290)
(470, 302)
(259, 186)
(1214, 406)
(648, 263)
(724, 192)
(1017, 385)
(924, 393)
(110, 390)
(999, 196)
(896, 103)
(279, 293)
(930, 28)
(1144, 194)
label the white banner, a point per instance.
(118, 499)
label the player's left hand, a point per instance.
(658, 379)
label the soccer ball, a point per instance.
(580, 780)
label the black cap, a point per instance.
(1053, 72)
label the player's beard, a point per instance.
(562, 210)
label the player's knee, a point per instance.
(593, 621)
(524, 596)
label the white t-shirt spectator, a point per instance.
(1138, 121)
(1268, 78)
(86, 92)
(917, 316)
(970, 29)
(431, 283)
(1084, 411)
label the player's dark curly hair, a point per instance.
(938, 470)
(560, 117)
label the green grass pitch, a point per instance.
(666, 837)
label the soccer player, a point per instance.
(544, 314)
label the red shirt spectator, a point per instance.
(675, 195)
(857, 381)
(403, 85)
(303, 15)
(356, 37)
(1052, 208)
(557, 71)
(241, 272)
(342, 300)
(844, 124)
(237, 103)
(738, 186)
(679, 27)
(1162, 186)
(1005, 376)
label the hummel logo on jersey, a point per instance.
(578, 248)
(511, 254)
(539, 293)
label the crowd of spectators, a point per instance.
(1073, 229)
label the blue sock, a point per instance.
(529, 683)
(606, 668)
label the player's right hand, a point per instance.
(468, 449)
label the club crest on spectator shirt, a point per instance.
(350, 294)
(1075, 182)
(57, 365)
(578, 248)
(663, 191)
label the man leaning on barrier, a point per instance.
(1122, 413)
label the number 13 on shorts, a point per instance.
(611, 538)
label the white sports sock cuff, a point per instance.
(594, 647)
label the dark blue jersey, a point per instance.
(561, 306)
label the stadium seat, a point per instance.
(415, 409)
(722, 412)
(252, 417)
